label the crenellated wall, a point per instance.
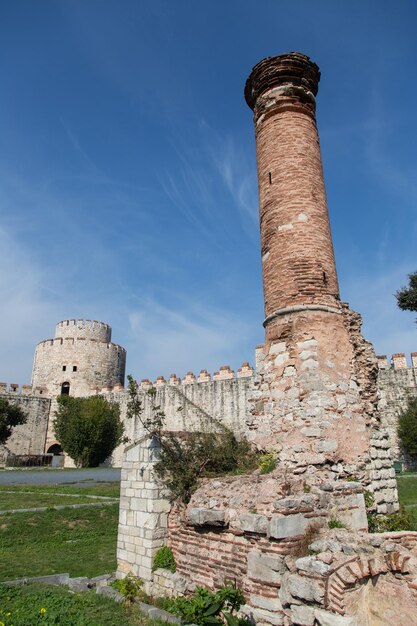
(190, 403)
(397, 384)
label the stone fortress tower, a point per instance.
(316, 394)
(80, 361)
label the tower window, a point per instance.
(270, 178)
(64, 368)
(74, 368)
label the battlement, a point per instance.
(397, 361)
(13, 389)
(87, 329)
(224, 373)
(67, 341)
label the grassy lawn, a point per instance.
(44, 604)
(106, 489)
(81, 542)
(9, 501)
(407, 489)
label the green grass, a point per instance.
(47, 605)
(81, 542)
(109, 489)
(407, 490)
(9, 501)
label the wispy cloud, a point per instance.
(213, 180)
(187, 337)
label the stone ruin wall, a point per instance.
(225, 396)
(268, 534)
(28, 438)
(397, 384)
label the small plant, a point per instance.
(164, 558)
(369, 499)
(267, 462)
(306, 488)
(390, 523)
(335, 523)
(130, 587)
(207, 608)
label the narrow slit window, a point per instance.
(270, 178)
(74, 368)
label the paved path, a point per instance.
(77, 477)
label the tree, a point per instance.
(89, 429)
(10, 415)
(407, 428)
(407, 296)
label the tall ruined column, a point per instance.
(298, 264)
(315, 396)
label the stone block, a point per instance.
(164, 616)
(110, 593)
(302, 615)
(265, 568)
(311, 565)
(325, 618)
(159, 506)
(253, 523)
(281, 527)
(205, 517)
(268, 604)
(304, 588)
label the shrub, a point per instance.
(267, 462)
(10, 415)
(130, 587)
(164, 558)
(207, 608)
(390, 523)
(88, 429)
(407, 428)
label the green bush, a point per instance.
(407, 428)
(164, 558)
(89, 429)
(207, 608)
(267, 462)
(130, 587)
(390, 523)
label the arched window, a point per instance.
(65, 387)
(55, 449)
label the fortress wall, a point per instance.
(187, 406)
(396, 386)
(28, 438)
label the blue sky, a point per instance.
(128, 189)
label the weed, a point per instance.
(335, 523)
(267, 462)
(164, 558)
(390, 523)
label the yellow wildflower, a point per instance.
(42, 610)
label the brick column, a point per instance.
(298, 263)
(314, 398)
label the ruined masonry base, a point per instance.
(270, 534)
